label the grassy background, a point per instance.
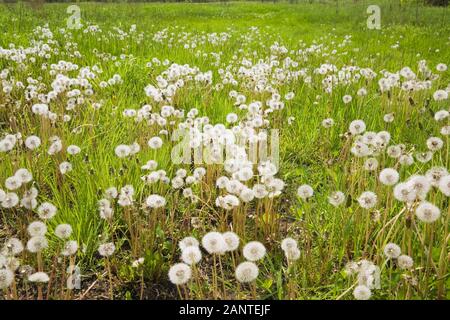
(422, 32)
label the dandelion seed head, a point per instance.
(444, 185)
(305, 191)
(106, 249)
(327, 123)
(392, 251)
(254, 251)
(13, 183)
(111, 193)
(420, 185)
(188, 242)
(357, 127)
(122, 151)
(367, 200)
(40, 277)
(180, 273)
(155, 143)
(405, 262)
(73, 149)
(231, 240)
(155, 201)
(37, 244)
(46, 211)
(389, 176)
(404, 192)
(24, 175)
(37, 228)
(32, 142)
(336, 198)
(427, 212)
(70, 248)
(434, 143)
(246, 272)
(6, 278)
(191, 255)
(214, 243)
(63, 231)
(12, 246)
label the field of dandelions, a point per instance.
(355, 205)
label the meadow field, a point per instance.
(239, 150)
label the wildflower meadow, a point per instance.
(225, 151)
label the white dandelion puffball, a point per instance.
(389, 117)
(392, 251)
(37, 244)
(246, 272)
(111, 193)
(13, 183)
(73, 150)
(70, 248)
(6, 278)
(441, 67)
(40, 277)
(389, 176)
(427, 212)
(367, 200)
(254, 251)
(232, 118)
(435, 143)
(214, 243)
(336, 198)
(106, 249)
(46, 211)
(357, 127)
(405, 262)
(10, 200)
(13, 246)
(305, 192)
(347, 99)
(444, 185)
(180, 273)
(37, 228)
(404, 192)
(288, 244)
(122, 151)
(420, 185)
(63, 231)
(32, 142)
(24, 175)
(440, 95)
(188, 242)
(441, 115)
(155, 143)
(191, 255)
(155, 201)
(231, 240)
(292, 254)
(362, 292)
(362, 92)
(327, 123)
(65, 167)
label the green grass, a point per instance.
(309, 153)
